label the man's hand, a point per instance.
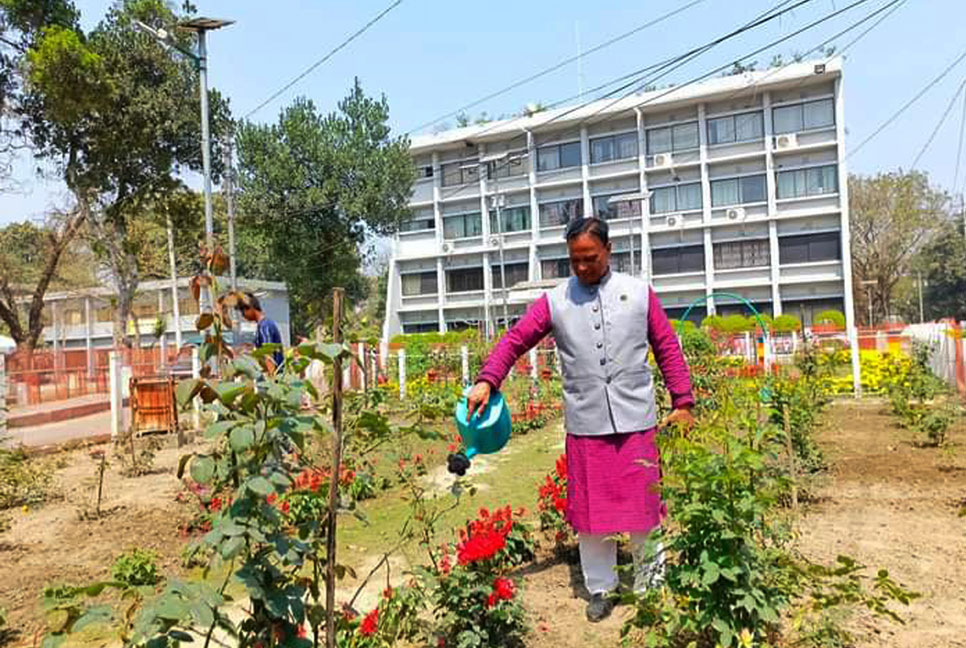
(682, 417)
(478, 399)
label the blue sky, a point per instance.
(430, 57)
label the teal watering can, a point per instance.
(487, 432)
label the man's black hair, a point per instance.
(594, 226)
(249, 301)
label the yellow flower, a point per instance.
(746, 639)
(25, 509)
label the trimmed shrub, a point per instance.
(786, 324)
(834, 317)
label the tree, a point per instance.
(892, 216)
(120, 114)
(313, 188)
(29, 259)
(943, 261)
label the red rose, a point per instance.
(302, 632)
(491, 600)
(271, 498)
(285, 507)
(504, 588)
(370, 623)
(215, 504)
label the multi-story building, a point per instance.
(735, 185)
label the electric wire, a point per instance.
(939, 124)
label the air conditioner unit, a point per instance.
(736, 215)
(494, 241)
(447, 247)
(663, 160)
(787, 141)
(675, 221)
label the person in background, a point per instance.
(267, 330)
(604, 324)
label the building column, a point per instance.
(438, 220)
(585, 172)
(487, 294)
(773, 254)
(645, 204)
(534, 273)
(88, 336)
(706, 208)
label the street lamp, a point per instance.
(642, 196)
(201, 26)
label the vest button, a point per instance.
(595, 309)
(597, 326)
(600, 345)
(607, 380)
(603, 361)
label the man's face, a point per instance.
(249, 314)
(589, 258)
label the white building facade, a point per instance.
(746, 194)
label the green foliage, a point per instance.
(943, 260)
(313, 187)
(786, 324)
(833, 317)
(918, 399)
(136, 568)
(23, 481)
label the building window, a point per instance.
(804, 116)
(515, 273)
(808, 182)
(515, 219)
(808, 310)
(623, 209)
(736, 191)
(676, 260)
(621, 262)
(555, 268)
(464, 280)
(677, 198)
(144, 311)
(558, 156)
(560, 212)
(419, 283)
(418, 223)
(680, 137)
(513, 165)
(420, 327)
(460, 172)
(187, 306)
(462, 225)
(73, 317)
(613, 147)
(425, 171)
(736, 128)
(809, 248)
(742, 254)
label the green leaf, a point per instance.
(57, 620)
(182, 462)
(186, 390)
(202, 613)
(711, 573)
(266, 350)
(242, 438)
(231, 547)
(96, 614)
(53, 641)
(229, 391)
(260, 485)
(218, 428)
(202, 469)
(171, 607)
(332, 350)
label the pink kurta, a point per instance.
(611, 478)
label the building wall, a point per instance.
(746, 200)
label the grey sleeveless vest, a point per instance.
(601, 334)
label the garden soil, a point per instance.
(885, 502)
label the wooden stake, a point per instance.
(790, 447)
(337, 296)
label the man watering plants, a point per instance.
(604, 323)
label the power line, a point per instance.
(557, 66)
(959, 147)
(906, 105)
(942, 120)
(325, 58)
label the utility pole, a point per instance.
(174, 281)
(229, 191)
(497, 203)
(922, 317)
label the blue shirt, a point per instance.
(267, 333)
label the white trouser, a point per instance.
(598, 560)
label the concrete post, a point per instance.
(402, 374)
(88, 336)
(196, 402)
(533, 363)
(117, 396)
(465, 364)
(856, 364)
(383, 355)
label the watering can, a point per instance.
(487, 432)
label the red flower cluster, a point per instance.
(553, 492)
(504, 589)
(214, 505)
(486, 536)
(311, 479)
(370, 623)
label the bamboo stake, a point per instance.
(337, 297)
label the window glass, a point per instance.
(742, 254)
(560, 212)
(570, 154)
(808, 182)
(626, 146)
(555, 268)
(809, 248)
(621, 262)
(663, 200)
(464, 279)
(721, 130)
(462, 226)
(819, 114)
(685, 136)
(419, 283)
(548, 158)
(515, 273)
(418, 223)
(676, 260)
(451, 174)
(658, 140)
(753, 189)
(602, 150)
(724, 192)
(689, 196)
(515, 219)
(787, 119)
(749, 126)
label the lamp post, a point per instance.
(642, 196)
(200, 26)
